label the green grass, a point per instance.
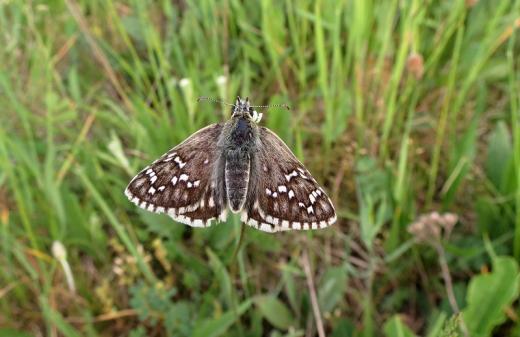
(399, 108)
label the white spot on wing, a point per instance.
(253, 223)
(174, 180)
(291, 175)
(179, 161)
(198, 223)
(282, 188)
(223, 215)
(266, 227)
(183, 177)
(243, 216)
(291, 194)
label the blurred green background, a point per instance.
(407, 111)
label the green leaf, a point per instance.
(291, 289)
(450, 328)
(394, 327)
(221, 276)
(488, 295)
(55, 319)
(489, 218)
(177, 320)
(275, 312)
(6, 332)
(499, 153)
(436, 325)
(218, 326)
(332, 288)
(343, 328)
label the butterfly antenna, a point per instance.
(285, 106)
(202, 98)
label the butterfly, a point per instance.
(238, 166)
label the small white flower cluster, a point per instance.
(432, 227)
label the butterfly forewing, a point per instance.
(181, 182)
(284, 195)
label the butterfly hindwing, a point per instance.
(284, 195)
(180, 183)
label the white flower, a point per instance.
(221, 80)
(60, 253)
(184, 82)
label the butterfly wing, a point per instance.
(180, 183)
(283, 195)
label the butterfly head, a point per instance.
(242, 108)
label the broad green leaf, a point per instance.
(275, 312)
(394, 327)
(218, 326)
(332, 288)
(488, 296)
(499, 153)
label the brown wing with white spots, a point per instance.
(180, 183)
(284, 195)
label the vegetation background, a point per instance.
(407, 111)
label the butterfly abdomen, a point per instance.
(237, 178)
